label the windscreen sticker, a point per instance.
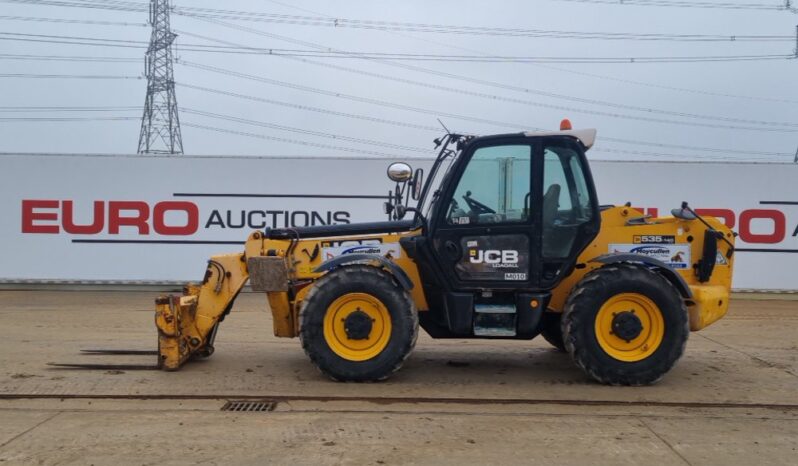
(389, 250)
(676, 256)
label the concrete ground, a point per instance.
(732, 399)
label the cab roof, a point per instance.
(586, 136)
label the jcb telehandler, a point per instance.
(507, 240)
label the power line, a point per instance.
(495, 98)
(305, 131)
(359, 151)
(65, 76)
(101, 40)
(404, 124)
(619, 140)
(602, 149)
(441, 114)
(470, 79)
(437, 129)
(65, 109)
(687, 4)
(290, 141)
(411, 26)
(566, 70)
(483, 82)
(668, 87)
(367, 100)
(72, 40)
(105, 5)
(70, 21)
(64, 119)
(695, 148)
(342, 54)
(67, 58)
(336, 22)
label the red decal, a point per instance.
(139, 220)
(779, 228)
(95, 227)
(159, 221)
(30, 216)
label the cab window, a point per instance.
(494, 188)
(566, 201)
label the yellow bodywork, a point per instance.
(186, 323)
(710, 300)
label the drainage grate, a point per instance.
(249, 406)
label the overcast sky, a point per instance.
(510, 96)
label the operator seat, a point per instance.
(556, 240)
(551, 204)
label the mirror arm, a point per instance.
(402, 210)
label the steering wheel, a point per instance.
(477, 207)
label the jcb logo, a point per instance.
(493, 256)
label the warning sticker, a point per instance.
(676, 256)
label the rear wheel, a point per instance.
(357, 324)
(624, 324)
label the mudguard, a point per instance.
(345, 259)
(659, 266)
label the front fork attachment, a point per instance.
(188, 324)
(178, 338)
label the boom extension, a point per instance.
(187, 324)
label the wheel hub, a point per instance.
(626, 325)
(357, 325)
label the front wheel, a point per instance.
(357, 324)
(624, 324)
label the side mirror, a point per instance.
(399, 172)
(418, 183)
(683, 214)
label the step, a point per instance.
(494, 320)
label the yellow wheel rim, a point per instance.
(647, 315)
(357, 349)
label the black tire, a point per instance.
(551, 329)
(583, 306)
(358, 279)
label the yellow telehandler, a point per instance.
(506, 240)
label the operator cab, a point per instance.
(506, 224)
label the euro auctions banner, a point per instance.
(157, 218)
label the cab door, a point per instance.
(484, 232)
(569, 213)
